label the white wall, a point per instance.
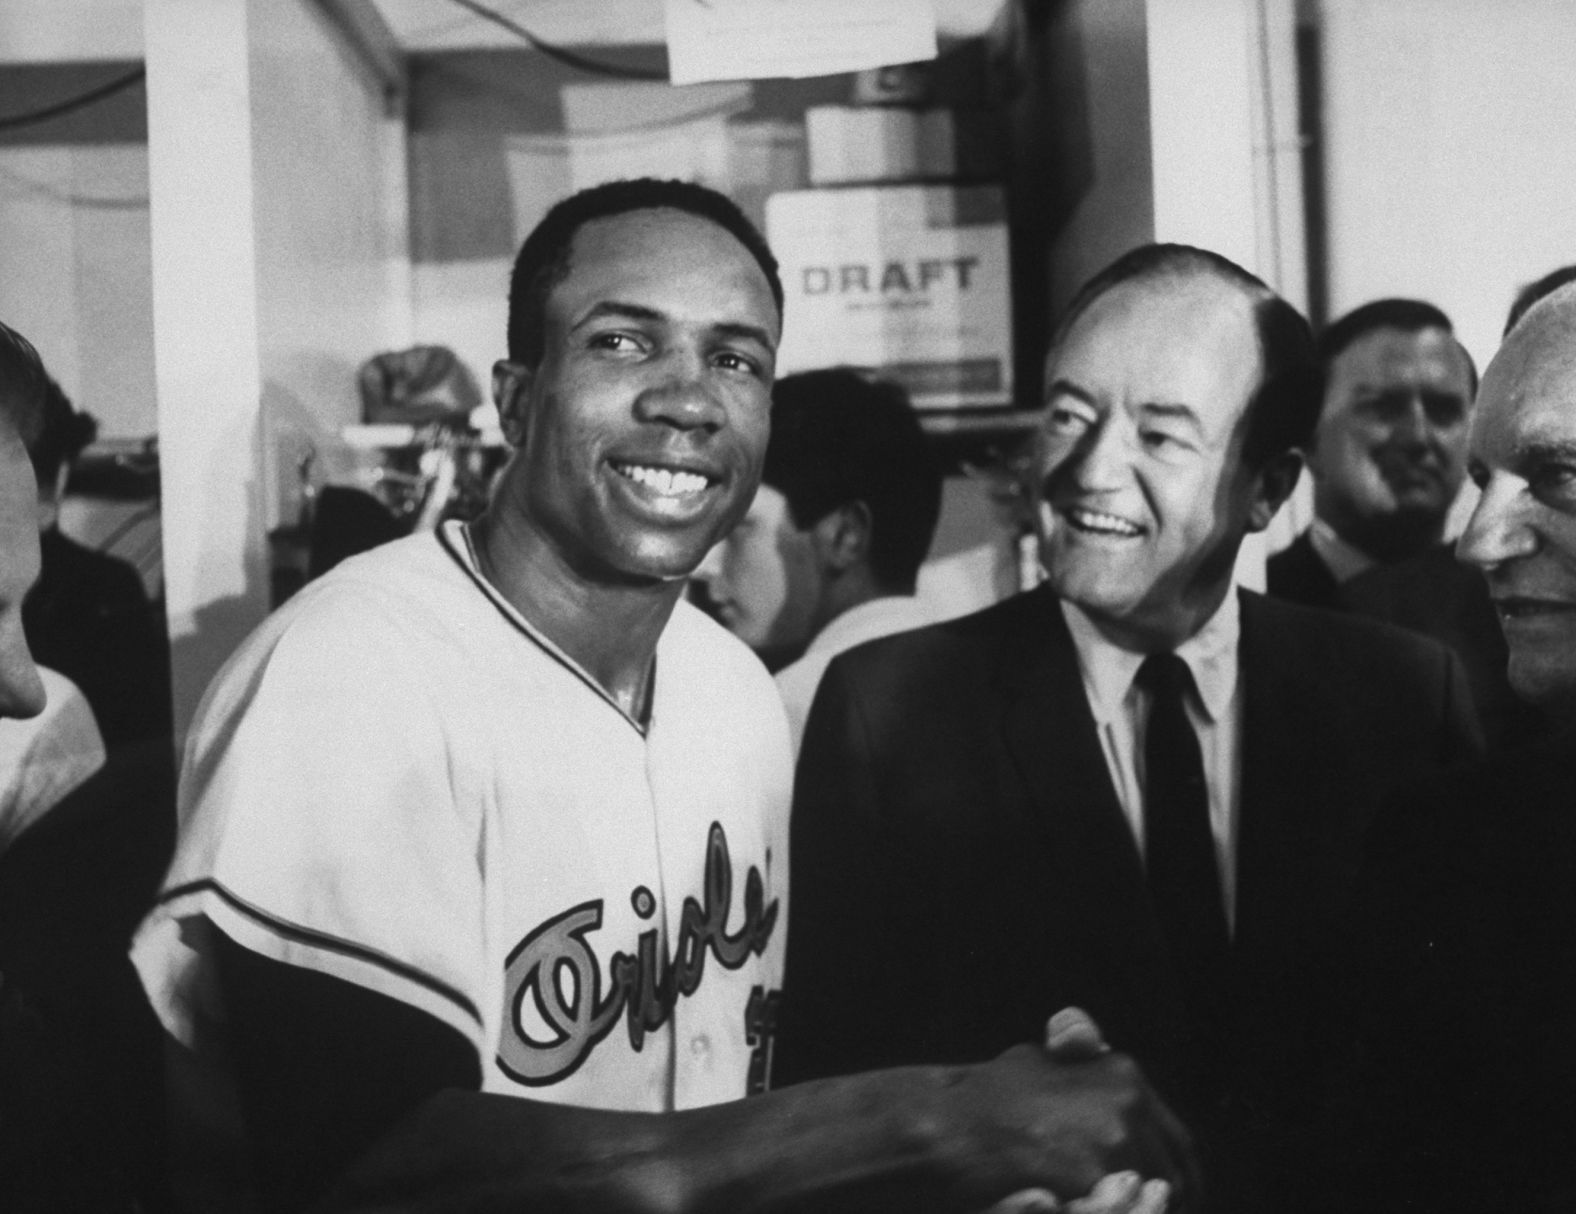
(75, 264)
(76, 273)
(330, 229)
(1451, 171)
(1451, 167)
(1117, 210)
(70, 31)
(278, 266)
(1201, 124)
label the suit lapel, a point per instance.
(1095, 876)
(1290, 724)
(1050, 734)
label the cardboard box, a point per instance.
(879, 143)
(908, 281)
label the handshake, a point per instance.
(1071, 1036)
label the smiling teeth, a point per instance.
(1108, 524)
(664, 480)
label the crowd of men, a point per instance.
(505, 879)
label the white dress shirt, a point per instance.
(877, 618)
(1121, 710)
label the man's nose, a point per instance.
(681, 394)
(1412, 426)
(1100, 460)
(1498, 530)
(21, 688)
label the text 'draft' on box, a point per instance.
(909, 281)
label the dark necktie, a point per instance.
(1179, 856)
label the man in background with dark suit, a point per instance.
(1388, 453)
(1136, 789)
(1388, 460)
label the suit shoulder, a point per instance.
(961, 643)
(1339, 636)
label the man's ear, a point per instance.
(842, 536)
(1276, 480)
(511, 385)
(49, 495)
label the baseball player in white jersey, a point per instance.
(494, 813)
(438, 804)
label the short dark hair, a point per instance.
(543, 260)
(1284, 408)
(1405, 315)
(840, 437)
(1534, 291)
(51, 429)
(62, 434)
(22, 380)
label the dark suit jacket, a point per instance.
(89, 618)
(1297, 574)
(961, 867)
(1435, 594)
(81, 1056)
(1465, 1091)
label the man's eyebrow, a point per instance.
(1168, 409)
(755, 333)
(1066, 387)
(620, 309)
(1547, 451)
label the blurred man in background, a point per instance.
(1388, 460)
(829, 553)
(1388, 454)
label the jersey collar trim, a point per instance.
(455, 538)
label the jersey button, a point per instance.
(700, 1045)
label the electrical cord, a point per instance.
(71, 104)
(557, 52)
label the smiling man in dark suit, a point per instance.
(1136, 789)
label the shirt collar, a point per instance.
(1342, 559)
(1210, 653)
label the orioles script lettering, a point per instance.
(556, 967)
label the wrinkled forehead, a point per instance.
(1388, 351)
(1203, 295)
(1530, 385)
(1538, 358)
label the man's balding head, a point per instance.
(1522, 534)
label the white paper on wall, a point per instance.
(760, 39)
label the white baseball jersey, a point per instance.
(399, 782)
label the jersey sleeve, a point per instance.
(321, 827)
